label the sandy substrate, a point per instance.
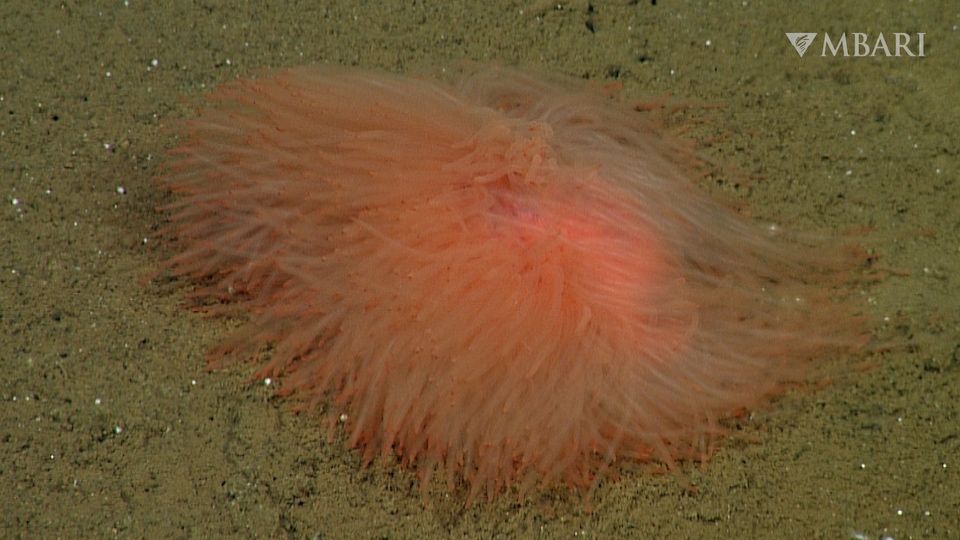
(110, 425)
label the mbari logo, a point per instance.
(861, 44)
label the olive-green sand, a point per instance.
(110, 424)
